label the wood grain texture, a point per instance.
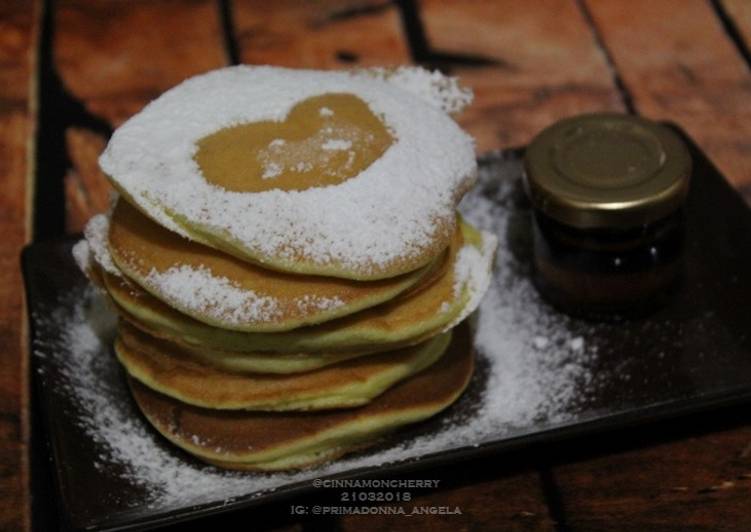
(548, 65)
(487, 495)
(697, 483)
(322, 34)
(117, 56)
(679, 64)
(114, 58)
(740, 13)
(87, 190)
(18, 37)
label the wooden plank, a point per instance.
(486, 493)
(19, 21)
(679, 65)
(740, 13)
(86, 188)
(548, 65)
(117, 56)
(329, 34)
(114, 58)
(696, 483)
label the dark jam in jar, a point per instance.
(607, 192)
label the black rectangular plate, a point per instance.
(693, 355)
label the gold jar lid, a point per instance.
(607, 170)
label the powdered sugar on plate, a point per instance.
(386, 213)
(532, 372)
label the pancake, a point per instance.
(222, 291)
(337, 174)
(299, 152)
(262, 362)
(161, 366)
(425, 311)
(274, 441)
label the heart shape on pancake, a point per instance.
(186, 161)
(324, 140)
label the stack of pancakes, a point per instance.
(272, 357)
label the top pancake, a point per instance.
(327, 173)
(225, 292)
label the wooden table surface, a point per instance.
(72, 70)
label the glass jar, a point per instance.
(608, 232)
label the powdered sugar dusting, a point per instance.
(271, 169)
(466, 259)
(533, 373)
(95, 233)
(386, 213)
(314, 153)
(336, 145)
(443, 92)
(542, 365)
(472, 273)
(321, 303)
(106, 413)
(199, 290)
(82, 254)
